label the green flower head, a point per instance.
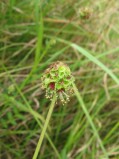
(58, 79)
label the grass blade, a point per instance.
(96, 61)
(89, 119)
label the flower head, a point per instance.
(85, 13)
(58, 79)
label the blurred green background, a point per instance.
(84, 35)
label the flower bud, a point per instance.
(85, 13)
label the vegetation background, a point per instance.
(33, 34)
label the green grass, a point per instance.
(33, 34)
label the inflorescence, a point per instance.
(57, 79)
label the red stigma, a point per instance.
(52, 85)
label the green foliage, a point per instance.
(83, 35)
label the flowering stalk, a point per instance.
(45, 127)
(57, 80)
(59, 85)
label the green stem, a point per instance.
(44, 128)
(89, 119)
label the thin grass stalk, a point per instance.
(38, 147)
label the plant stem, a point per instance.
(89, 119)
(44, 128)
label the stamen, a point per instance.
(61, 97)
